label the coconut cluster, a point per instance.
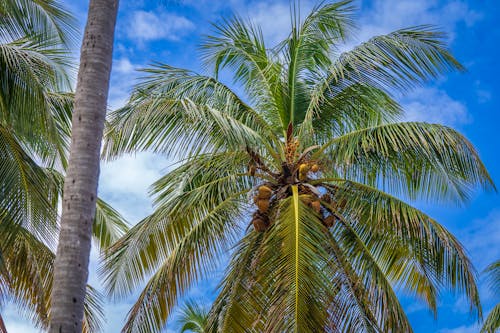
(262, 200)
(268, 193)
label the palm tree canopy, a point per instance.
(317, 144)
(35, 128)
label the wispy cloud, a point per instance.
(148, 25)
(435, 106)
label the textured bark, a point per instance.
(80, 187)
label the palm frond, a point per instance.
(341, 110)
(296, 281)
(94, 316)
(414, 251)
(492, 322)
(29, 192)
(399, 60)
(415, 160)
(190, 260)
(193, 317)
(239, 45)
(309, 47)
(236, 307)
(178, 112)
(108, 225)
(45, 18)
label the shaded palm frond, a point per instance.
(45, 18)
(108, 225)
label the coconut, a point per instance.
(316, 205)
(306, 199)
(303, 168)
(265, 192)
(260, 223)
(329, 221)
(263, 205)
(315, 168)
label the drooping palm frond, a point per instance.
(29, 192)
(45, 19)
(180, 240)
(492, 322)
(414, 251)
(108, 225)
(182, 113)
(28, 282)
(193, 318)
(387, 155)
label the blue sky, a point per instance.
(169, 31)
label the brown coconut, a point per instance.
(260, 223)
(315, 168)
(265, 192)
(316, 205)
(263, 205)
(306, 199)
(329, 221)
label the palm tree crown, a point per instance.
(311, 166)
(35, 128)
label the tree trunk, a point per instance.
(80, 187)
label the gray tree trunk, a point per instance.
(80, 186)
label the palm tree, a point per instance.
(305, 179)
(492, 322)
(35, 113)
(193, 318)
(80, 188)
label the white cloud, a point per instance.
(148, 25)
(123, 76)
(125, 183)
(435, 106)
(384, 16)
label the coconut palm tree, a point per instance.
(304, 179)
(35, 114)
(193, 318)
(80, 188)
(492, 322)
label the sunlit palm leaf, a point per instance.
(417, 160)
